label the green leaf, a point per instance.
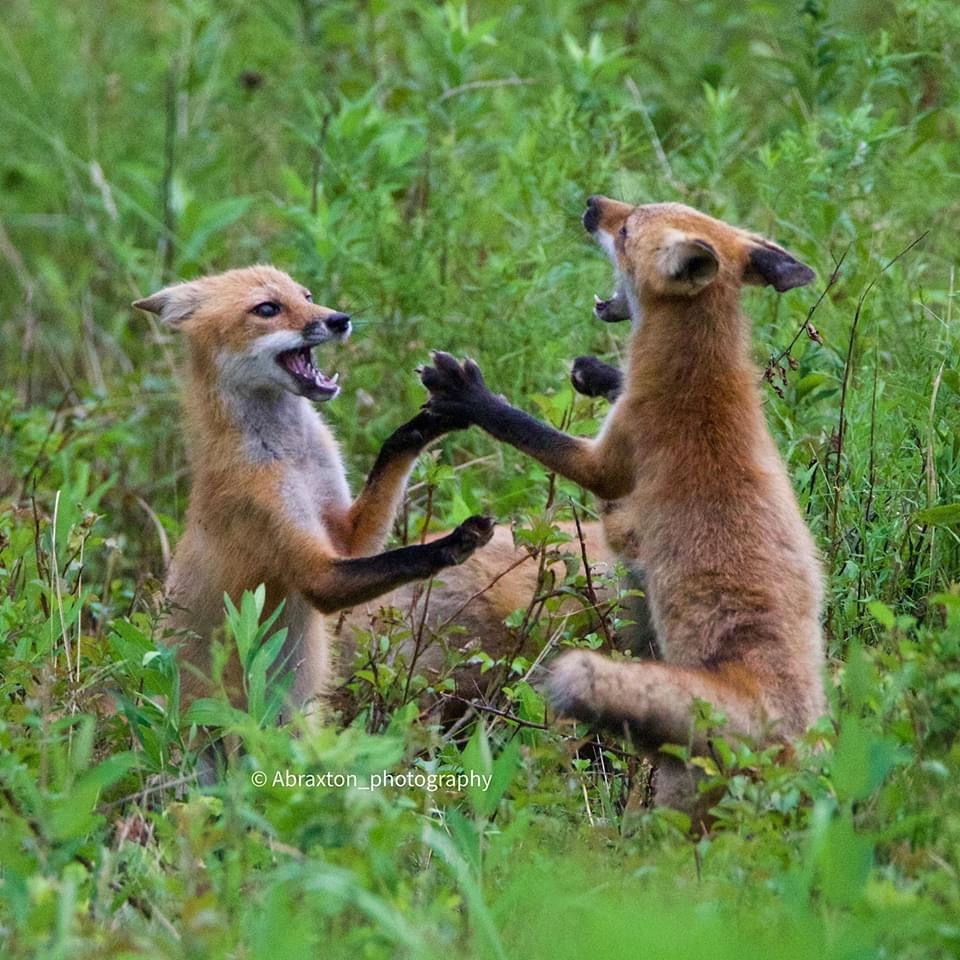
(73, 816)
(214, 218)
(810, 382)
(952, 379)
(478, 758)
(882, 614)
(861, 761)
(943, 515)
(208, 712)
(844, 861)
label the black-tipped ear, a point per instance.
(173, 305)
(770, 264)
(689, 261)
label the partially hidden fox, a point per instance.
(695, 495)
(464, 612)
(269, 500)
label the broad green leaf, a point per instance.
(943, 515)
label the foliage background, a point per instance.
(424, 165)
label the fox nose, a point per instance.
(338, 322)
(591, 216)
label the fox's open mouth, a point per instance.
(312, 383)
(614, 308)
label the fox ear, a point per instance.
(173, 305)
(688, 264)
(768, 264)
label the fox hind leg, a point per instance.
(654, 701)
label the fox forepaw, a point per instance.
(460, 544)
(594, 378)
(448, 379)
(430, 423)
(572, 685)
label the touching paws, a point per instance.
(428, 425)
(573, 685)
(457, 391)
(459, 545)
(594, 378)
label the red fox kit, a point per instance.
(696, 496)
(476, 597)
(269, 501)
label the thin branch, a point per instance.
(658, 150)
(483, 708)
(485, 85)
(474, 596)
(844, 387)
(831, 282)
(591, 593)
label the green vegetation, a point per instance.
(424, 166)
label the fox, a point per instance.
(269, 501)
(475, 598)
(695, 497)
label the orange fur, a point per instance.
(478, 596)
(269, 501)
(698, 497)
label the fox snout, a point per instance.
(605, 215)
(336, 324)
(591, 216)
(601, 219)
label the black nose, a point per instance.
(591, 216)
(338, 322)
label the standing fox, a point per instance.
(269, 501)
(697, 498)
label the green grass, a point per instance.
(424, 166)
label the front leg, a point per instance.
(370, 517)
(460, 391)
(333, 584)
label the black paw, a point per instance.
(455, 388)
(429, 424)
(594, 378)
(460, 543)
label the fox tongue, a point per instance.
(300, 364)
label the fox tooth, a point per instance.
(597, 300)
(335, 378)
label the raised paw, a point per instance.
(458, 545)
(451, 382)
(429, 424)
(445, 421)
(573, 685)
(594, 378)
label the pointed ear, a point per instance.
(173, 305)
(769, 264)
(688, 263)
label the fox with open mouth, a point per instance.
(269, 501)
(695, 495)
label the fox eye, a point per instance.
(308, 296)
(266, 310)
(623, 231)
